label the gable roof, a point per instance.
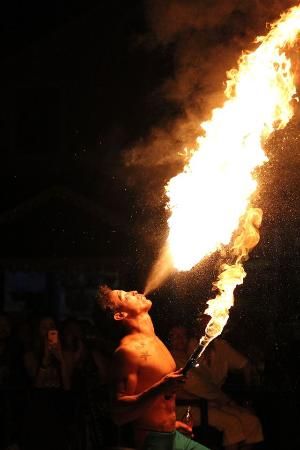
(61, 192)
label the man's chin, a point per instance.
(148, 305)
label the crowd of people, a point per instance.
(56, 380)
(53, 385)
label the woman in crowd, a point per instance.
(47, 425)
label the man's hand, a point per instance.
(173, 381)
(184, 428)
(56, 351)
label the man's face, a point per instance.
(45, 325)
(132, 302)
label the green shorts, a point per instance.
(170, 441)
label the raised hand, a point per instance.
(173, 381)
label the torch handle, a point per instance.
(191, 362)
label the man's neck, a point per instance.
(142, 324)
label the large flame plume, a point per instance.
(214, 190)
(213, 196)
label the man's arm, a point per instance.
(128, 405)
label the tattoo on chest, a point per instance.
(141, 348)
(145, 355)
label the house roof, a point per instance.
(61, 224)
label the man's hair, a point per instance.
(108, 305)
(106, 299)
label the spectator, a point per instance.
(240, 427)
(12, 386)
(47, 423)
(99, 428)
(73, 349)
(45, 363)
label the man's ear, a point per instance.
(120, 315)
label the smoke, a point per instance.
(207, 37)
(170, 18)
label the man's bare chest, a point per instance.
(154, 359)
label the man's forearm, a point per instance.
(127, 408)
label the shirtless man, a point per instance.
(144, 376)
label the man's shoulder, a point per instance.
(222, 344)
(126, 350)
(234, 357)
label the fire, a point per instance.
(213, 196)
(232, 275)
(208, 198)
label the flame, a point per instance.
(212, 197)
(231, 275)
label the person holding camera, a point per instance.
(46, 419)
(45, 363)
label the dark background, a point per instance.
(97, 99)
